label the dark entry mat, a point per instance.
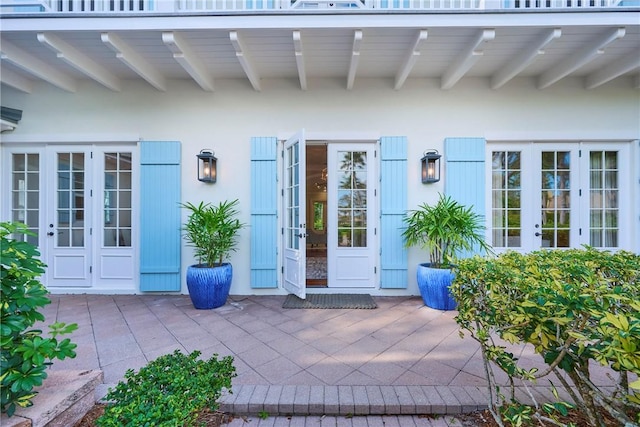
(330, 301)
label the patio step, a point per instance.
(353, 400)
(305, 400)
(62, 400)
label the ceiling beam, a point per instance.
(465, 61)
(583, 56)
(245, 59)
(79, 61)
(133, 60)
(184, 55)
(355, 58)
(615, 69)
(15, 80)
(410, 59)
(297, 45)
(525, 58)
(21, 59)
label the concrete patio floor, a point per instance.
(400, 360)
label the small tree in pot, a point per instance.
(213, 231)
(444, 230)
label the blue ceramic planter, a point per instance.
(434, 287)
(209, 286)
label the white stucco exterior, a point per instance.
(226, 119)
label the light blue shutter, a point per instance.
(264, 211)
(465, 172)
(393, 206)
(160, 216)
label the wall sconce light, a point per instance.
(430, 166)
(207, 169)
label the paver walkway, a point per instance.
(401, 358)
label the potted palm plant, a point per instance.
(444, 229)
(213, 231)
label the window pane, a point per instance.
(497, 160)
(344, 237)
(556, 198)
(360, 199)
(124, 218)
(125, 238)
(78, 238)
(499, 219)
(505, 198)
(124, 200)
(117, 199)
(514, 180)
(344, 218)
(352, 200)
(344, 198)
(110, 237)
(360, 218)
(359, 238)
(125, 161)
(513, 199)
(603, 197)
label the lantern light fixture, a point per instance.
(430, 166)
(207, 166)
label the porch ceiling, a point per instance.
(210, 52)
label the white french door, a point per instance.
(68, 216)
(80, 202)
(295, 215)
(559, 195)
(352, 215)
(557, 182)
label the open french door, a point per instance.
(352, 216)
(295, 227)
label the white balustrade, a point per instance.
(188, 6)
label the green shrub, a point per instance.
(25, 354)
(575, 307)
(169, 391)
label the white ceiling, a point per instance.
(210, 48)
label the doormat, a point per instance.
(331, 301)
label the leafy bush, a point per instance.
(169, 391)
(25, 354)
(575, 307)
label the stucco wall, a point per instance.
(226, 119)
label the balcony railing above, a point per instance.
(189, 6)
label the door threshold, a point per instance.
(317, 283)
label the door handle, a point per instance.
(50, 233)
(538, 234)
(301, 235)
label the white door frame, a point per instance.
(531, 177)
(112, 269)
(373, 237)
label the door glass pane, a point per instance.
(603, 198)
(70, 210)
(506, 194)
(352, 198)
(292, 191)
(117, 225)
(555, 199)
(25, 193)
